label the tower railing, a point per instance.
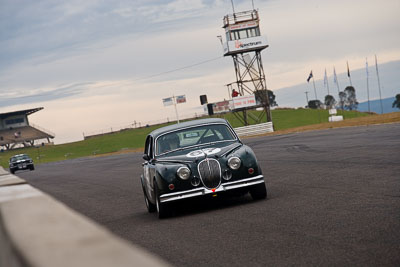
(243, 16)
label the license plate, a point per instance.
(20, 166)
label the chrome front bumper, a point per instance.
(201, 191)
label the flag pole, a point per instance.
(379, 84)
(306, 92)
(348, 74)
(327, 82)
(366, 68)
(336, 80)
(316, 98)
(315, 90)
(176, 109)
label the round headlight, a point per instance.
(234, 163)
(183, 173)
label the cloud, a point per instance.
(42, 95)
(94, 56)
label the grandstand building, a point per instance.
(16, 131)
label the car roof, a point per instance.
(178, 126)
(19, 155)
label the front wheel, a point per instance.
(258, 191)
(162, 208)
(150, 206)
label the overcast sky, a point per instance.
(94, 64)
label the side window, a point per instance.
(147, 145)
(242, 34)
(150, 148)
(228, 36)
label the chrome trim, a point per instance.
(204, 191)
(208, 163)
(174, 161)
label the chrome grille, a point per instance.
(210, 173)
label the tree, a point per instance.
(260, 96)
(342, 100)
(396, 103)
(271, 97)
(314, 104)
(330, 101)
(351, 101)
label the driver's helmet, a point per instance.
(172, 140)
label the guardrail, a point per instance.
(255, 129)
(38, 231)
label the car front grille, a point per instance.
(210, 173)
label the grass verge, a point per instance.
(285, 121)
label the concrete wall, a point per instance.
(36, 230)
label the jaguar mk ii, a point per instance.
(194, 159)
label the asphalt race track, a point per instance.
(334, 199)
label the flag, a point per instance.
(334, 76)
(366, 66)
(309, 77)
(168, 101)
(325, 79)
(348, 70)
(376, 65)
(180, 99)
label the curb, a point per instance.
(38, 231)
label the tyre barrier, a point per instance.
(255, 129)
(38, 231)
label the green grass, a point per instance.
(134, 138)
(286, 119)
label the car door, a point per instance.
(148, 169)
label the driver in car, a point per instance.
(173, 141)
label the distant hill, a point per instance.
(375, 106)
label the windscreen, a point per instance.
(193, 136)
(19, 157)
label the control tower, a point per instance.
(244, 44)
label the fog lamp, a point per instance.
(227, 175)
(195, 181)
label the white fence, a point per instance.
(255, 129)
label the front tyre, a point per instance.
(163, 210)
(258, 191)
(150, 206)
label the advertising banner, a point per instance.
(244, 101)
(248, 44)
(180, 99)
(223, 106)
(168, 101)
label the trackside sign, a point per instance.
(242, 45)
(244, 101)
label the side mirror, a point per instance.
(146, 157)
